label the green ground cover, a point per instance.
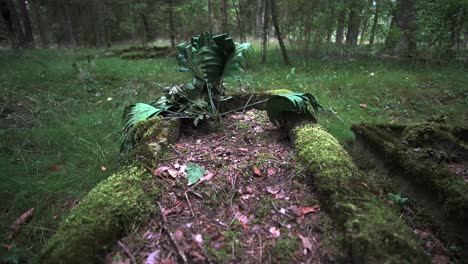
(60, 115)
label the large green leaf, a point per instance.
(194, 173)
(237, 60)
(299, 103)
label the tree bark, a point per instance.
(171, 22)
(144, 21)
(224, 16)
(266, 7)
(274, 17)
(28, 35)
(374, 23)
(353, 24)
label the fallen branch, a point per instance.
(171, 236)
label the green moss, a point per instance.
(283, 250)
(124, 198)
(100, 217)
(278, 91)
(374, 233)
(419, 166)
(153, 137)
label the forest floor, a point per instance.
(252, 195)
(254, 204)
(60, 116)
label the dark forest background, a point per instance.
(414, 28)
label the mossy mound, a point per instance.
(373, 232)
(124, 198)
(419, 154)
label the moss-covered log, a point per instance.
(373, 231)
(450, 190)
(117, 202)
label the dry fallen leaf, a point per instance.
(275, 232)
(306, 244)
(307, 210)
(178, 235)
(15, 228)
(273, 190)
(257, 171)
(271, 171)
(173, 173)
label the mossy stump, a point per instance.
(123, 199)
(373, 232)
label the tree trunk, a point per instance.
(353, 24)
(224, 16)
(374, 23)
(340, 27)
(239, 22)
(11, 18)
(259, 18)
(171, 22)
(404, 20)
(69, 27)
(145, 29)
(274, 17)
(28, 35)
(266, 7)
(210, 23)
(38, 20)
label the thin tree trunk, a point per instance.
(69, 27)
(28, 35)
(145, 29)
(266, 7)
(340, 27)
(274, 17)
(171, 23)
(224, 16)
(259, 18)
(374, 23)
(239, 22)
(38, 20)
(210, 23)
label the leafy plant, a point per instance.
(208, 59)
(194, 173)
(397, 199)
(280, 107)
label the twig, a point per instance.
(242, 107)
(127, 251)
(189, 204)
(171, 236)
(248, 101)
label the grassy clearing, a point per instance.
(60, 129)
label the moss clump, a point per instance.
(373, 232)
(99, 218)
(153, 137)
(278, 91)
(123, 198)
(419, 167)
(283, 250)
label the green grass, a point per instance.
(65, 130)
